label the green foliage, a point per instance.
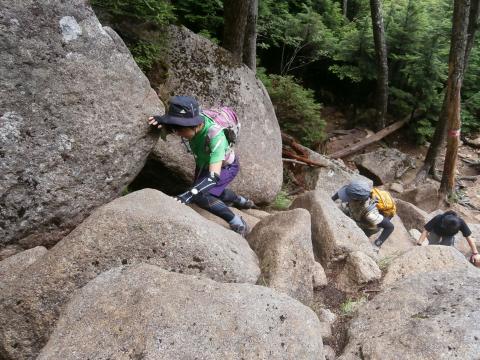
(423, 130)
(145, 54)
(351, 305)
(159, 12)
(203, 17)
(312, 41)
(282, 201)
(127, 17)
(297, 111)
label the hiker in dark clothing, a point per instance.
(216, 163)
(441, 230)
(362, 208)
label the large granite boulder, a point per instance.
(145, 226)
(145, 312)
(431, 315)
(202, 69)
(13, 266)
(72, 124)
(283, 243)
(330, 177)
(334, 234)
(359, 270)
(398, 242)
(425, 259)
(412, 216)
(383, 165)
(423, 196)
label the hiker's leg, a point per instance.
(434, 239)
(219, 208)
(230, 197)
(388, 228)
(447, 241)
(214, 205)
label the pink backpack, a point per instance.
(226, 120)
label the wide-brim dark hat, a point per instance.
(182, 111)
(356, 190)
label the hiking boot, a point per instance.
(241, 229)
(247, 204)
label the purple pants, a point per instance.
(227, 174)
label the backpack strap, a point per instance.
(211, 133)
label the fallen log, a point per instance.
(291, 155)
(290, 141)
(370, 140)
(470, 143)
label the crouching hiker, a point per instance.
(216, 163)
(362, 207)
(441, 230)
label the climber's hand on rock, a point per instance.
(152, 121)
(475, 259)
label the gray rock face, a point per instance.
(398, 242)
(72, 124)
(412, 216)
(145, 312)
(13, 266)
(330, 177)
(144, 226)
(423, 196)
(425, 259)
(200, 68)
(334, 234)
(249, 219)
(283, 243)
(359, 269)
(383, 165)
(428, 316)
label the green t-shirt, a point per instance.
(208, 152)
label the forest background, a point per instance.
(317, 52)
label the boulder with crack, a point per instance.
(144, 226)
(425, 259)
(359, 270)
(432, 315)
(283, 243)
(383, 165)
(423, 196)
(73, 130)
(148, 313)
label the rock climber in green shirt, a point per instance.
(216, 163)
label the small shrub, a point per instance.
(423, 130)
(385, 262)
(159, 12)
(297, 111)
(351, 305)
(145, 54)
(282, 201)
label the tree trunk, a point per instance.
(438, 139)
(345, 5)
(472, 27)
(235, 20)
(441, 128)
(250, 43)
(381, 61)
(456, 63)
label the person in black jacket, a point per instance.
(441, 230)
